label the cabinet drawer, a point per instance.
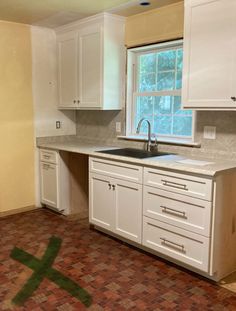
(179, 244)
(116, 169)
(49, 156)
(178, 210)
(180, 183)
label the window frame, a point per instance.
(131, 93)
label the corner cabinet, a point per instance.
(54, 181)
(209, 65)
(91, 63)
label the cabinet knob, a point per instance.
(74, 101)
(233, 98)
(109, 185)
(78, 101)
(113, 187)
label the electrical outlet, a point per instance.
(58, 124)
(209, 132)
(118, 127)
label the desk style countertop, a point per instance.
(189, 164)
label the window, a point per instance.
(154, 92)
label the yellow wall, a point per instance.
(156, 25)
(16, 118)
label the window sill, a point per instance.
(178, 142)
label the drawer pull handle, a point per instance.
(113, 187)
(109, 185)
(46, 156)
(174, 184)
(169, 210)
(169, 243)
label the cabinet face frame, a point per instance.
(204, 102)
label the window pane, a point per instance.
(147, 72)
(177, 107)
(166, 60)
(147, 82)
(163, 105)
(178, 82)
(179, 59)
(144, 105)
(182, 126)
(144, 109)
(147, 63)
(166, 81)
(162, 124)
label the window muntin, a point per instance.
(157, 82)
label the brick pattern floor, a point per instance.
(117, 276)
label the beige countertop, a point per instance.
(168, 162)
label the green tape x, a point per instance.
(42, 269)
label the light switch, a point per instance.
(58, 124)
(209, 132)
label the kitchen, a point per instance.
(58, 120)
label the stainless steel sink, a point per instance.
(133, 153)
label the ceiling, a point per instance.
(53, 13)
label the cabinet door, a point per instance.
(128, 209)
(101, 201)
(49, 184)
(90, 71)
(209, 66)
(67, 70)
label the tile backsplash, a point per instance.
(101, 126)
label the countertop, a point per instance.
(168, 162)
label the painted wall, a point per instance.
(16, 118)
(156, 25)
(45, 93)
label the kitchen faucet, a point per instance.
(150, 145)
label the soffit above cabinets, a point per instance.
(54, 13)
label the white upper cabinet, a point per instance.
(209, 67)
(91, 63)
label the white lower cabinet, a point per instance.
(115, 204)
(177, 210)
(186, 218)
(54, 180)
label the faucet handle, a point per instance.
(153, 145)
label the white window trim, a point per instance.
(131, 86)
